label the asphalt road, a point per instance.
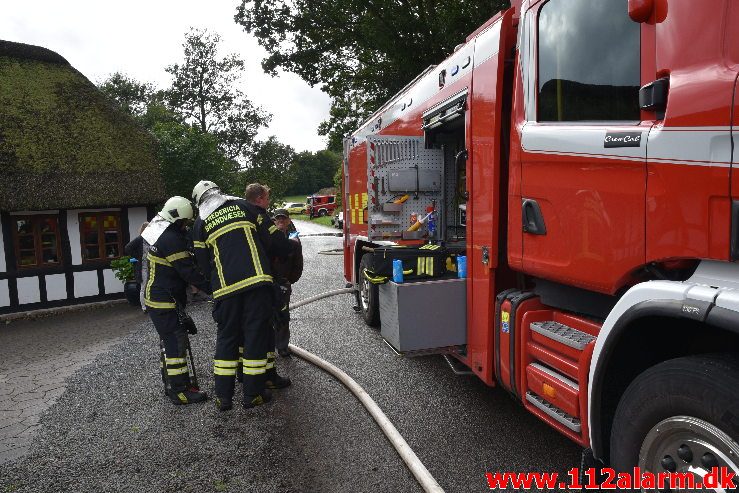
(113, 431)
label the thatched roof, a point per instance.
(62, 143)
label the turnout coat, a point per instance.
(233, 246)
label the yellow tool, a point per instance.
(401, 199)
(419, 223)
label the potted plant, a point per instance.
(123, 270)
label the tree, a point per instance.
(339, 187)
(360, 51)
(204, 92)
(270, 165)
(187, 156)
(132, 96)
(313, 171)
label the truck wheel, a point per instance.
(681, 415)
(322, 212)
(368, 296)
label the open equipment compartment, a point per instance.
(410, 321)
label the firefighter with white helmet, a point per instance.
(199, 190)
(234, 240)
(171, 269)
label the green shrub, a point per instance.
(122, 268)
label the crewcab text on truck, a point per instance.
(579, 155)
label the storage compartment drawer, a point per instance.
(424, 315)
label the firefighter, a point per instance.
(234, 240)
(171, 268)
(286, 272)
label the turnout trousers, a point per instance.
(243, 321)
(173, 337)
(282, 325)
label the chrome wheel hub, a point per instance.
(689, 446)
(364, 288)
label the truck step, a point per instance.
(563, 334)
(554, 412)
(557, 376)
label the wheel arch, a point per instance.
(655, 321)
(358, 253)
(652, 332)
(652, 323)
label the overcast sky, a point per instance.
(140, 38)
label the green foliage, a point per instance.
(360, 51)
(132, 96)
(313, 171)
(339, 186)
(187, 156)
(325, 220)
(157, 113)
(270, 165)
(122, 268)
(204, 93)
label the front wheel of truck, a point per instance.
(682, 416)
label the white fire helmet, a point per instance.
(176, 208)
(200, 189)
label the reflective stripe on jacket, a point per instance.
(171, 268)
(233, 245)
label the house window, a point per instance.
(100, 235)
(36, 241)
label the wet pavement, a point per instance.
(102, 424)
(37, 356)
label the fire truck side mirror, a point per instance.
(641, 10)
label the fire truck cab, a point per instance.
(579, 154)
(320, 205)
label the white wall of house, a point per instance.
(56, 287)
(112, 284)
(3, 268)
(86, 284)
(4, 293)
(136, 216)
(28, 290)
(73, 228)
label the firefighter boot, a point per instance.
(223, 404)
(275, 381)
(181, 393)
(225, 372)
(271, 379)
(251, 401)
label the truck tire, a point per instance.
(322, 212)
(368, 294)
(680, 414)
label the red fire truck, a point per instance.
(579, 154)
(320, 205)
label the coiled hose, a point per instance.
(422, 475)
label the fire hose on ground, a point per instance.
(422, 475)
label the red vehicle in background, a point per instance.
(320, 205)
(573, 161)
